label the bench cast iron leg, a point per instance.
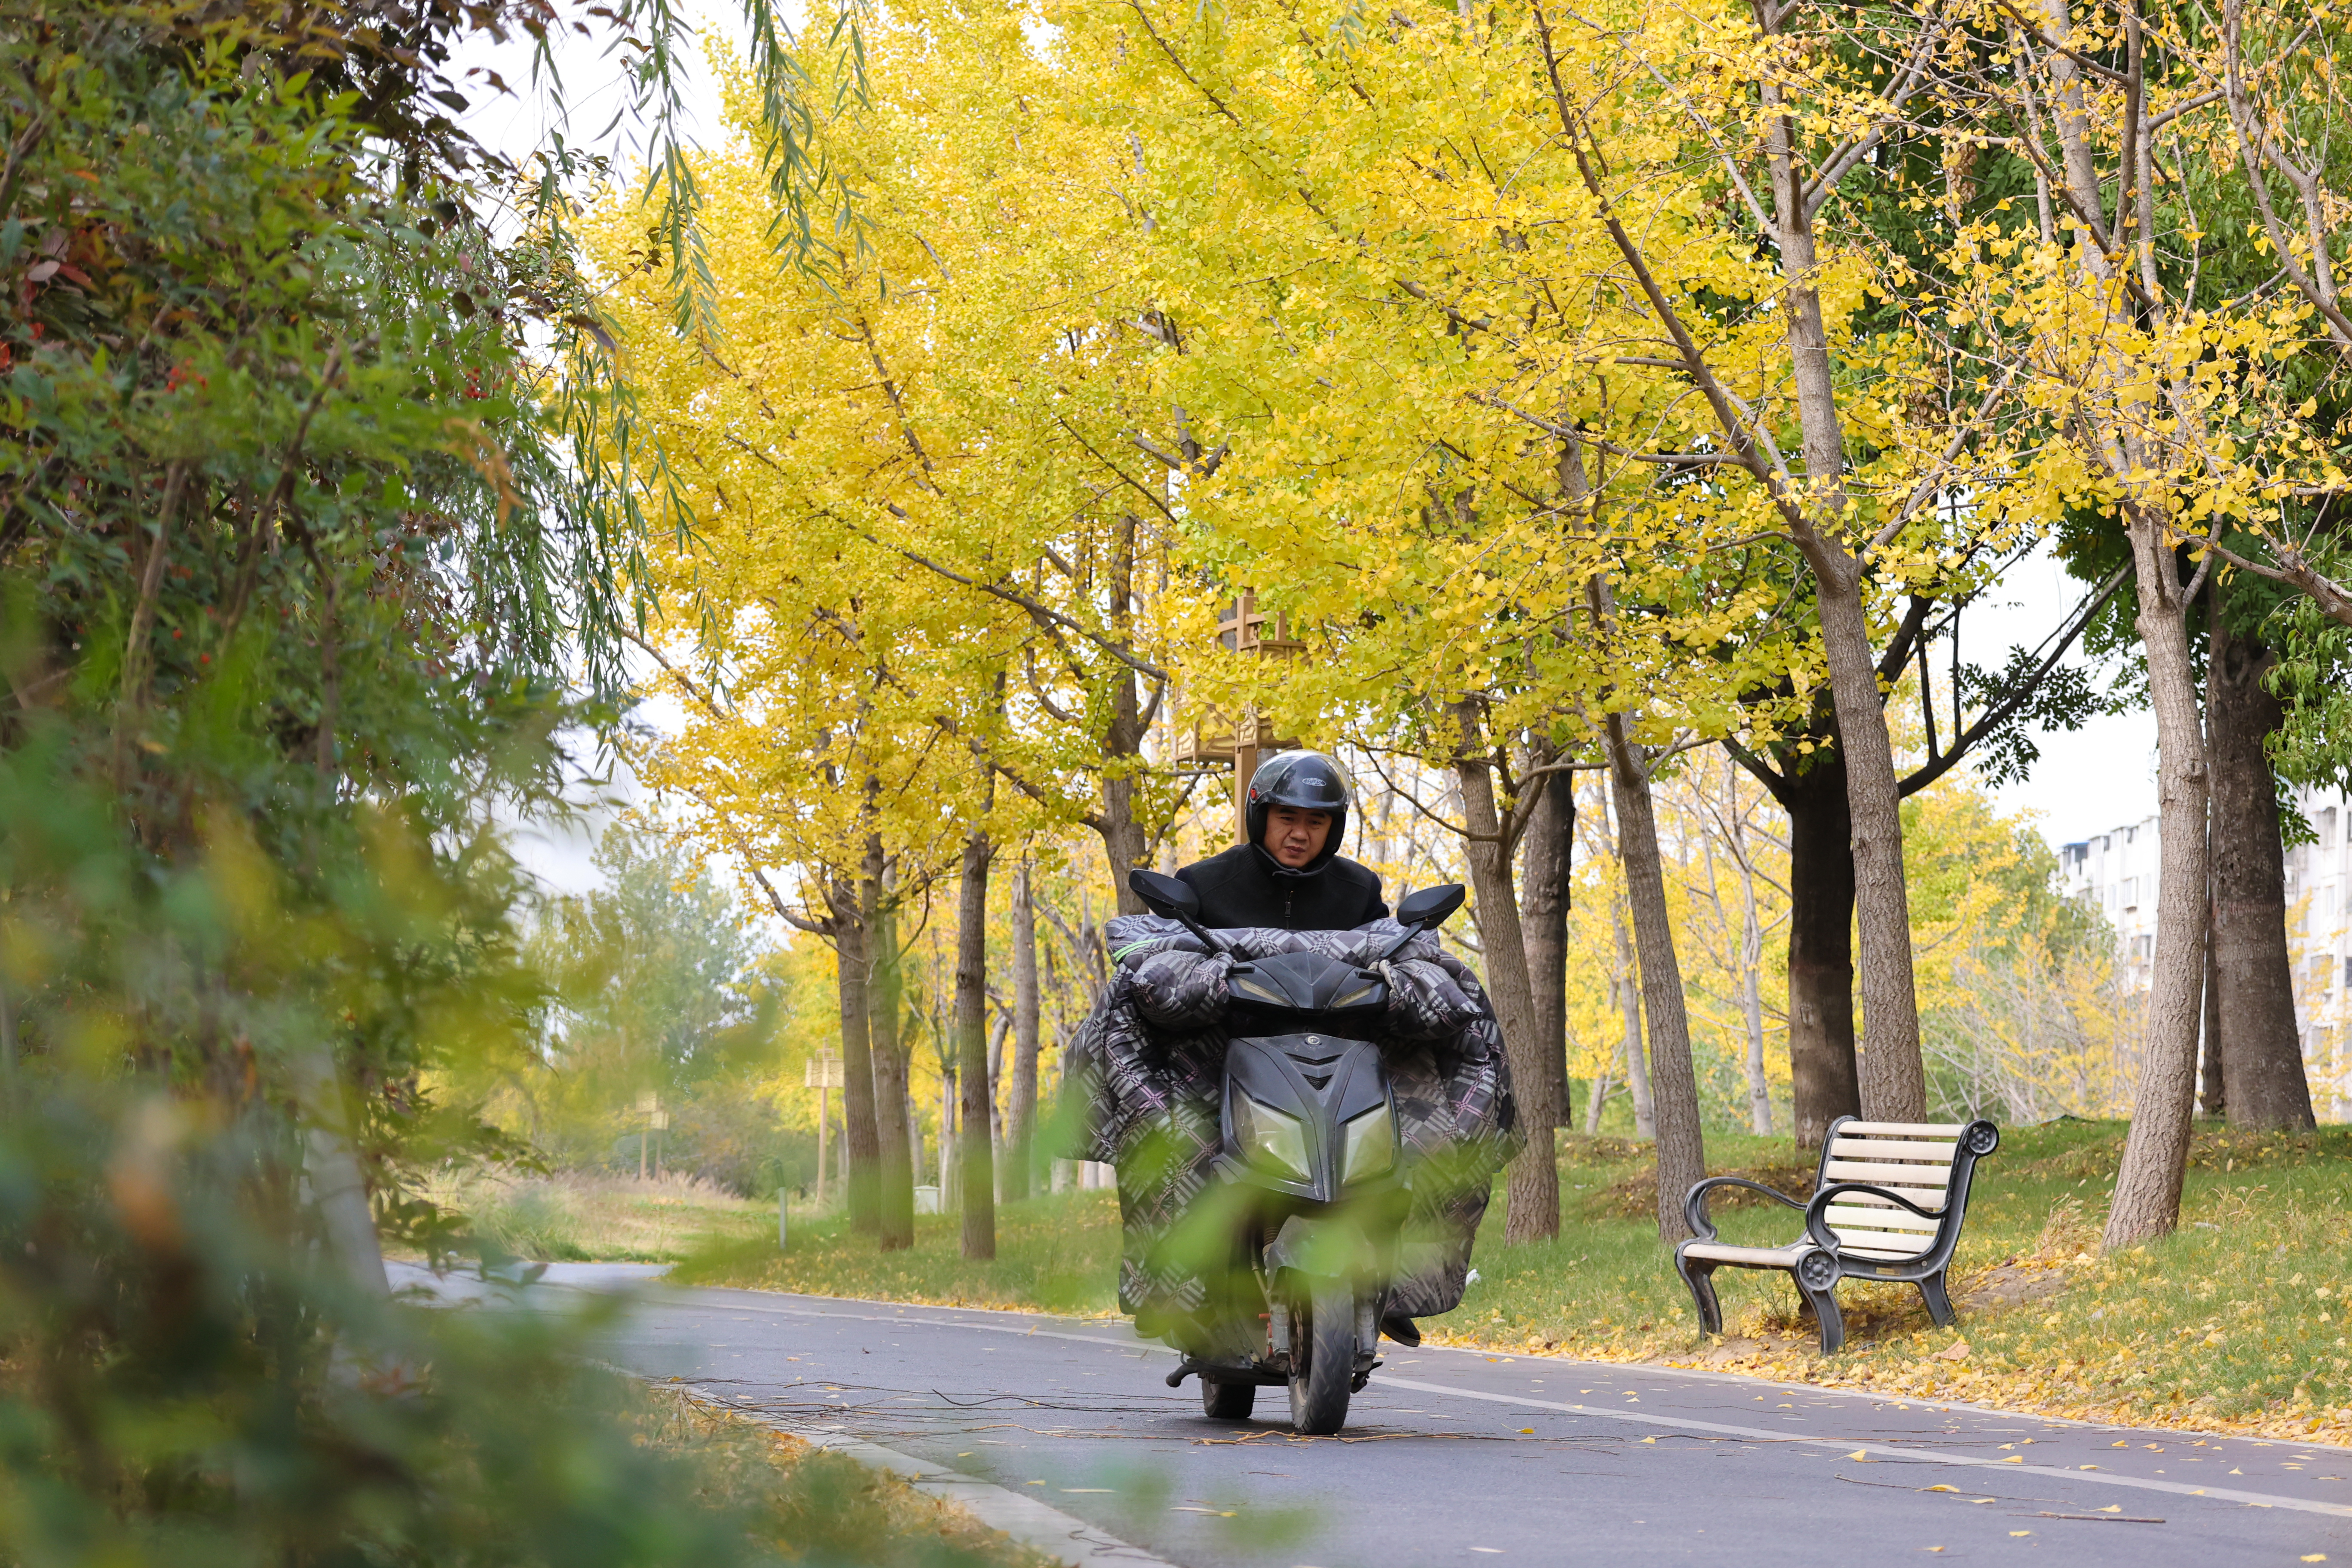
(1817, 1276)
(1700, 1277)
(1939, 1305)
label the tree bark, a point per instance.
(1894, 1079)
(331, 1164)
(1122, 835)
(1628, 985)
(2148, 1181)
(1751, 957)
(1021, 1113)
(861, 1145)
(975, 1164)
(2212, 1089)
(1594, 1102)
(895, 1184)
(1674, 1084)
(1531, 1205)
(2261, 1050)
(1825, 1084)
(1544, 920)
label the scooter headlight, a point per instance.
(1272, 1138)
(1370, 1141)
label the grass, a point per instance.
(1057, 1253)
(2241, 1322)
(811, 1506)
(581, 1217)
(2238, 1321)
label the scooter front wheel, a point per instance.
(1322, 1357)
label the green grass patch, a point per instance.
(1056, 1253)
(579, 1218)
(2243, 1320)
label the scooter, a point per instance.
(1310, 1196)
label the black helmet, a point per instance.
(1309, 781)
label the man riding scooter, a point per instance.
(1290, 876)
(1277, 1070)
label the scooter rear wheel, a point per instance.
(1322, 1338)
(1227, 1401)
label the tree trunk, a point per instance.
(861, 1138)
(1122, 835)
(2261, 1052)
(1824, 1081)
(1752, 955)
(1531, 1208)
(1894, 1079)
(332, 1165)
(1021, 1115)
(2147, 1183)
(2213, 1090)
(1627, 983)
(1543, 917)
(974, 1162)
(895, 1186)
(1673, 1085)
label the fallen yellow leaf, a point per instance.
(2021, 1532)
(1859, 1454)
(1940, 1486)
(2314, 1557)
(1526, 1431)
(2014, 1459)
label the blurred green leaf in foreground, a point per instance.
(289, 576)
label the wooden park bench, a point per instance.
(1886, 1204)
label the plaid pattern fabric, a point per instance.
(1140, 1091)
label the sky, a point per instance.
(2087, 781)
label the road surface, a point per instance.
(1459, 1457)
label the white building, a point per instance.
(2117, 872)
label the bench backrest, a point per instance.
(1927, 1161)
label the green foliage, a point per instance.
(662, 988)
(280, 549)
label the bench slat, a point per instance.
(1889, 1149)
(1878, 1219)
(1902, 1129)
(1899, 1177)
(1879, 1254)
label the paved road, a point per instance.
(1455, 1457)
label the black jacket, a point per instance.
(1237, 890)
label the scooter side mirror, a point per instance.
(1430, 907)
(1170, 898)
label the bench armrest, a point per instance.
(1817, 1225)
(1695, 1202)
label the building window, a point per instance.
(2131, 892)
(2143, 948)
(2321, 969)
(2327, 828)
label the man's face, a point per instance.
(1294, 837)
